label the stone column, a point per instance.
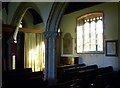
(20, 51)
(50, 57)
(9, 52)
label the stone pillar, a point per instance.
(50, 57)
(20, 51)
(9, 52)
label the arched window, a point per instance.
(90, 33)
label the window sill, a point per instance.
(92, 52)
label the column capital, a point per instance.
(50, 34)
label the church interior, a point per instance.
(60, 44)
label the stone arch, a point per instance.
(21, 10)
(19, 14)
(55, 15)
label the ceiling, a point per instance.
(75, 6)
(72, 7)
(5, 5)
(36, 17)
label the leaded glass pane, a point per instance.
(99, 28)
(79, 39)
(86, 37)
(93, 36)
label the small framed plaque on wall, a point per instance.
(111, 47)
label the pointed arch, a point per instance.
(55, 15)
(19, 14)
(21, 10)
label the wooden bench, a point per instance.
(21, 78)
(86, 73)
(73, 73)
(77, 83)
(60, 69)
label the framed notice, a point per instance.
(112, 48)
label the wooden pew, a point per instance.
(83, 68)
(87, 74)
(73, 73)
(17, 71)
(77, 83)
(60, 69)
(22, 78)
(111, 80)
(104, 70)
